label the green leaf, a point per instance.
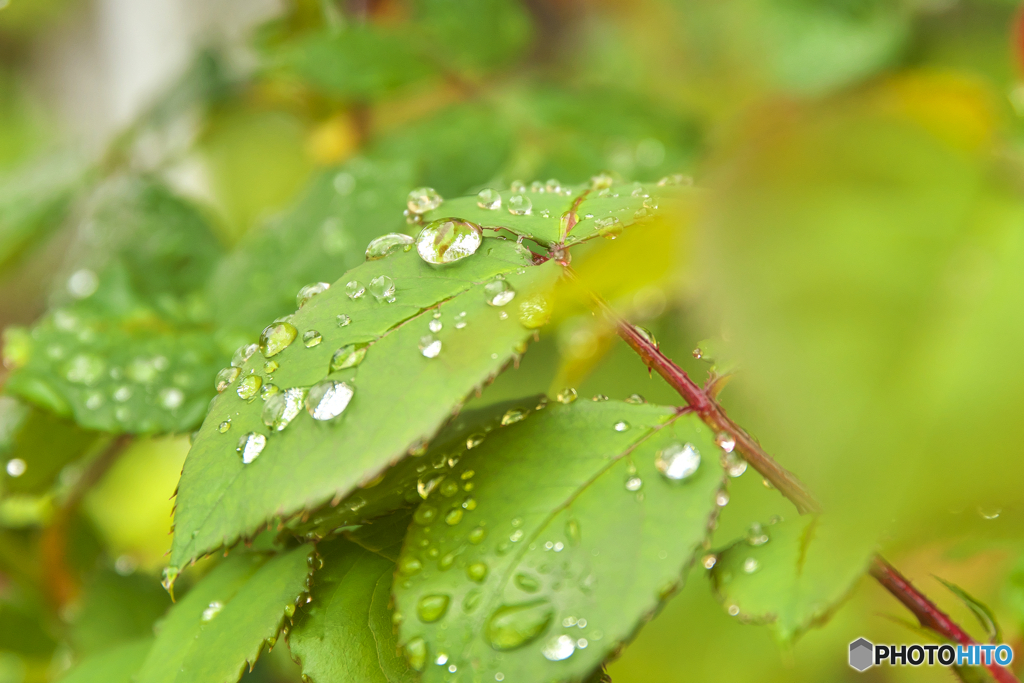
(132, 350)
(401, 397)
(346, 635)
(980, 610)
(323, 235)
(227, 618)
(22, 629)
(792, 575)
(559, 538)
(473, 36)
(115, 665)
(116, 609)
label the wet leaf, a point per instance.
(401, 391)
(346, 634)
(506, 571)
(226, 619)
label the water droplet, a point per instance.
(678, 461)
(675, 179)
(552, 185)
(84, 368)
(171, 398)
(567, 395)
(517, 186)
(751, 565)
(634, 483)
(448, 240)
(733, 464)
(516, 536)
(212, 610)
(621, 426)
(429, 346)
(989, 513)
(559, 648)
(647, 335)
(328, 399)
(477, 572)
(498, 292)
(756, 535)
(250, 446)
(344, 320)
(721, 499)
(527, 583)
(453, 517)
(520, 205)
(599, 398)
(354, 289)
(474, 440)
(709, 561)
(282, 408)
(309, 291)
(416, 653)
(534, 311)
(725, 441)
(16, 467)
(269, 390)
(423, 199)
(409, 565)
(242, 354)
(489, 199)
(734, 610)
(512, 416)
(608, 227)
(425, 487)
(83, 283)
(348, 356)
(270, 367)
(383, 288)
(388, 244)
(432, 607)
(312, 338)
(425, 515)
(602, 181)
(276, 337)
(249, 387)
(224, 426)
(513, 626)
(477, 535)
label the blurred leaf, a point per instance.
(227, 618)
(498, 573)
(400, 399)
(346, 635)
(115, 665)
(22, 629)
(792, 575)
(980, 610)
(323, 235)
(473, 36)
(117, 609)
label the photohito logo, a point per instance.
(865, 654)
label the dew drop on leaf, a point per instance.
(311, 338)
(621, 426)
(270, 367)
(608, 227)
(534, 311)
(602, 181)
(425, 515)
(388, 244)
(498, 292)
(448, 240)
(512, 416)
(348, 356)
(567, 395)
(309, 291)
(477, 535)
(430, 346)
(751, 565)
(409, 565)
(527, 583)
(328, 399)
(520, 205)
(249, 387)
(517, 186)
(84, 368)
(416, 653)
(355, 289)
(269, 390)
(489, 199)
(476, 572)
(250, 446)
(383, 289)
(283, 407)
(344, 320)
(678, 461)
(224, 426)
(212, 610)
(513, 626)
(756, 535)
(634, 483)
(559, 648)
(242, 354)
(277, 337)
(423, 199)
(474, 440)
(432, 607)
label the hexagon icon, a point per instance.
(861, 654)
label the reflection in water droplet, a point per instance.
(559, 648)
(212, 610)
(733, 464)
(276, 337)
(355, 289)
(388, 244)
(429, 346)
(678, 461)
(725, 441)
(348, 356)
(270, 367)
(435, 325)
(489, 199)
(512, 626)
(512, 416)
(249, 387)
(520, 205)
(423, 199)
(309, 291)
(751, 565)
(474, 440)
(328, 399)
(621, 426)
(224, 426)
(383, 289)
(634, 483)
(567, 395)
(250, 446)
(312, 338)
(448, 240)
(432, 607)
(721, 499)
(498, 292)
(344, 320)
(283, 407)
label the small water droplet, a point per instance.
(409, 565)
(498, 292)
(250, 446)
(224, 426)
(527, 583)
(599, 398)
(489, 199)
(709, 561)
(734, 610)
(276, 337)
(249, 387)
(513, 626)
(477, 572)
(517, 186)
(733, 464)
(675, 179)
(354, 289)
(520, 205)
(425, 515)
(344, 320)
(430, 346)
(283, 407)
(513, 415)
(751, 565)
(453, 517)
(678, 461)
(602, 181)
(435, 325)
(448, 240)
(383, 289)
(309, 291)
(608, 227)
(559, 648)
(311, 338)
(647, 335)
(388, 244)
(328, 399)
(270, 367)
(567, 395)
(477, 535)
(721, 499)
(432, 607)
(474, 440)
(634, 483)
(756, 535)
(348, 356)
(416, 653)
(621, 426)
(242, 354)
(84, 368)
(212, 610)
(423, 199)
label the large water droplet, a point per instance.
(448, 240)
(328, 399)
(355, 289)
(432, 607)
(423, 199)
(277, 337)
(388, 244)
(489, 199)
(249, 387)
(567, 395)
(429, 346)
(534, 311)
(416, 653)
(250, 446)
(678, 461)
(383, 288)
(559, 648)
(309, 291)
(224, 426)
(498, 292)
(348, 356)
(512, 626)
(520, 205)
(282, 408)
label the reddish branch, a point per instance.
(929, 616)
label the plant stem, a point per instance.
(786, 482)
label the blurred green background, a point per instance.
(855, 250)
